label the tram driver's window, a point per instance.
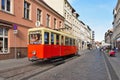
(35, 38)
(46, 38)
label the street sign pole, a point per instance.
(15, 48)
(15, 31)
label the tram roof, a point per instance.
(51, 30)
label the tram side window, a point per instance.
(52, 38)
(67, 41)
(71, 41)
(46, 38)
(62, 40)
(57, 39)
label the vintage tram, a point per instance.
(45, 43)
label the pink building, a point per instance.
(20, 15)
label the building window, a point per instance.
(3, 40)
(48, 20)
(60, 24)
(26, 10)
(6, 5)
(39, 15)
(55, 23)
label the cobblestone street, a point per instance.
(90, 66)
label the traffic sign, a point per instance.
(14, 27)
(15, 31)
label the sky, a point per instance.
(97, 14)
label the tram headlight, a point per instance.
(34, 52)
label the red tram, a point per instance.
(44, 43)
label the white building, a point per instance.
(72, 24)
(65, 9)
(116, 26)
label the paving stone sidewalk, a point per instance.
(115, 62)
(12, 63)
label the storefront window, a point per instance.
(3, 40)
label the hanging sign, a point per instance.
(15, 31)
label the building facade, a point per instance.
(16, 17)
(64, 9)
(116, 26)
(72, 24)
(108, 36)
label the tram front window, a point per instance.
(35, 38)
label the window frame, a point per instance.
(33, 40)
(68, 41)
(5, 6)
(3, 36)
(60, 24)
(48, 20)
(47, 39)
(27, 11)
(62, 40)
(55, 23)
(52, 38)
(39, 14)
(57, 39)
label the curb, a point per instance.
(115, 64)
